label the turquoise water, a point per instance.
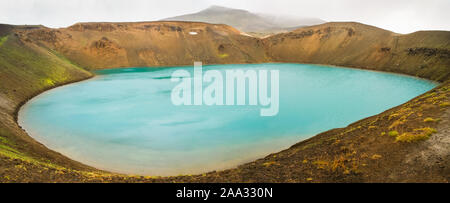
(123, 120)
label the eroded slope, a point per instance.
(425, 54)
(110, 45)
(405, 144)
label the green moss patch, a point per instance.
(3, 39)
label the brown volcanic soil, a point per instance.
(111, 45)
(362, 152)
(425, 54)
(35, 58)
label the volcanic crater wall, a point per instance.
(36, 58)
(424, 54)
(110, 45)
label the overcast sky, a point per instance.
(402, 16)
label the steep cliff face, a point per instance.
(109, 45)
(424, 54)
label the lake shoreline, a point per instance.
(93, 76)
(367, 153)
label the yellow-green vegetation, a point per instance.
(376, 156)
(3, 39)
(7, 150)
(26, 162)
(429, 120)
(225, 55)
(393, 133)
(444, 104)
(39, 69)
(416, 135)
(270, 163)
(427, 95)
(412, 112)
(31, 62)
(345, 163)
(5, 143)
(403, 113)
(26, 70)
(49, 82)
(393, 116)
(321, 164)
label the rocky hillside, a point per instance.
(246, 21)
(27, 69)
(404, 144)
(108, 45)
(424, 54)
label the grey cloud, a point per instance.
(401, 16)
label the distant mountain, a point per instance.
(246, 21)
